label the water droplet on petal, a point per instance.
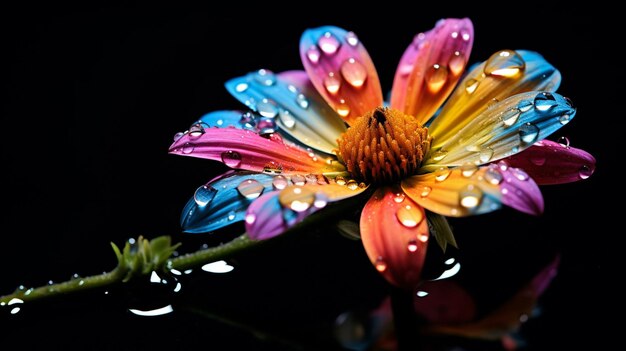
(412, 245)
(342, 108)
(509, 117)
(287, 119)
(442, 174)
(352, 39)
(328, 43)
(265, 77)
(321, 200)
(241, 87)
(204, 195)
(465, 34)
(457, 63)
(564, 119)
(505, 63)
(195, 131)
(231, 215)
(275, 137)
(503, 165)
(471, 85)
(266, 125)
(585, 172)
(405, 69)
(485, 155)
(332, 83)
(399, 197)
(188, 148)
(528, 133)
(178, 135)
(468, 169)
(340, 180)
(247, 120)
(544, 101)
(439, 155)
(380, 264)
(470, 196)
(280, 182)
(267, 108)
(298, 179)
(302, 101)
(564, 141)
(250, 218)
(493, 176)
(250, 188)
(231, 158)
(409, 216)
(520, 174)
(426, 191)
(525, 105)
(296, 198)
(352, 184)
(354, 72)
(436, 77)
(273, 168)
(418, 39)
(313, 54)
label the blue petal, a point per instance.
(226, 207)
(223, 119)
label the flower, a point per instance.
(295, 153)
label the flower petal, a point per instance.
(431, 66)
(519, 191)
(341, 70)
(219, 202)
(223, 119)
(460, 192)
(548, 162)
(394, 232)
(504, 129)
(472, 95)
(292, 102)
(243, 149)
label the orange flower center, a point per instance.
(384, 146)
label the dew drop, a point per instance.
(520, 174)
(426, 191)
(471, 85)
(342, 108)
(287, 119)
(399, 197)
(354, 72)
(195, 131)
(509, 117)
(332, 83)
(503, 165)
(544, 101)
(296, 198)
(409, 216)
(250, 218)
(266, 125)
(275, 137)
(313, 55)
(485, 154)
(470, 196)
(250, 188)
(352, 39)
(273, 168)
(457, 63)
(280, 182)
(311, 178)
(178, 135)
(267, 108)
(585, 172)
(231, 215)
(302, 101)
(493, 176)
(352, 184)
(231, 158)
(405, 69)
(528, 133)
(564, 119)
(188, 148)
(436, 77)
(321, 200)
(204, 195)
(380, 264)
(465, 34)
(442, 174)
(564, 141)
(525, 105)
(439, 155)
(241, 87)
(298, 179)
(265, 77)
(505, 63)
(412, 245)
(328, 43)
(340, 180)
(468, 169)
(247, 120)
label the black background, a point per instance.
(91, 102)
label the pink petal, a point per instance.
(541, 281)
(243, 149)
(265, 218)
(519, 191)
(431, 66)
(341, 70)
(394, 232)
(548, 162)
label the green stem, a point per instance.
(212, 254)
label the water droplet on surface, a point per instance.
(457, 63)
(279, 182)
(267, 108)
(528, 133)
(342, 108)
(465, 34)
(471, 85)
(298, 179)
(313, 55)
(564, 119)
(241, 87)
(422, 293)
(493, 176)
(178, 135)
(275, 137)
(287, 119)
(298, 199)
(426, 191)
(352, 184)
(470, 196)
(231, 158)
(332, 83)
(250, 218)
(354, 72)
(321, 200)
(525, 105)
(266, 126)
(505, 63)
(328, 43)
(265, 77)
(436, 77)
(380, 264)
(412, 245)
(442, 173)
(544, 101)
(485, 154)
(405, 69)
(439, 155)
(585, 172)
(231, 215)
(188, 148)
(250, 188)
(503, 165)
(340, 180)
(563, 141)
(509, 117)
(247, 120)
(272, 168)
(399, 197)
(520, 174)
(204, 195)
(409, 216)
(311, 178)
(352, 39)
(468, 169)
(302, 101)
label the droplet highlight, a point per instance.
(328, 43)
(231, 159)
(298, 199)
(354, 72)
(504, 63)
(409, 216)
(544, 101)
(470, 196)
(204, 195)
(442, 174)
(528, 133)
(436, 77)
(250, 188)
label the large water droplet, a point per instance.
(425, 191)
(563, 141)
(354, 72)
(250, 188)
(585, 172)
(267, 108)
(342, 108)
(457, 63)
(231, 158)
(352, 184)
(328, 43)
(287, 119)
(250, 218)
(544, 101)
(525, 105)
(247, 120)
(311, 178)
(302, 101)
(266, 125)
(313, 55)
(505, 63)
(493, 176)
(465, 35)
(564, 119)
(273, 168)
(280, 182)
(471, 85)
(188, 148)
(204, 195)
(442, 174)
(332, 83)
(196, 130)
(380, 264)
(510, 116)
(470, 196)
(528, 133)
(298, 179)
(439, 155)
(485, 154)
(340, 180)
(436, 77)
(412, 245)
(399, 197)
(298, 199)
(409, 216)
(468, 169)
(265, 77)
(178, 135)
(352, 39)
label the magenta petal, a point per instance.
(541, 281)
(519, 191)
(243, 149)
(548, 162)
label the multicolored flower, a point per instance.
(448, 143)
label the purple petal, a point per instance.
(519, 191)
